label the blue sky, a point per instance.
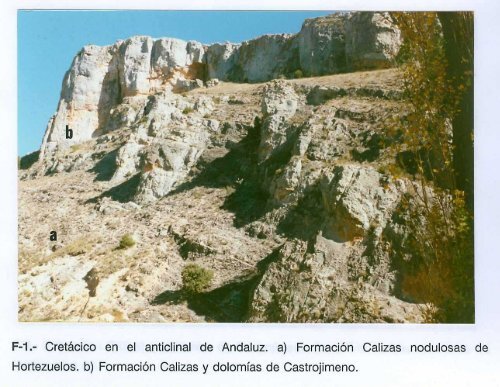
(48, 40)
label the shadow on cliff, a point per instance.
(104, 170)
(228, 303)
(237, 171)
(105, 167)
(109, 98)
(306, 218)
(122, 193)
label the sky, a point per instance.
(48, 41)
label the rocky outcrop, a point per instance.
(313, 283)
(322, 45)
(279, 104)
(357, 199)
(165, 142)
(343, 273)
(278, 188)
(371, 40)
(257, 60)
(101, 77)
(82, 96)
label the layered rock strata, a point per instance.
(100, 78)
(278, 188)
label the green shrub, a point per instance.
(187, 110)
(127, 241)
(298, 74)
(195, 278)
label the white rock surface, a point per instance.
(279, 103)
(372, 40)
(101, 77)
(357, 199)
(81, 96)
(322, 45)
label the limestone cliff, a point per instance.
(101, 77)
(208, 154)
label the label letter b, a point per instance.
(69, 132)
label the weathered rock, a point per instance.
(265, 58)
(212, 82)
(312, 284)
(81, 98)
(228, 210)
(101, 77)
(297, 175)
(283, 187)
(322, 45)
(357, 199)
(221, 59)
(134, 65)
(372, 40)
(279, 103)
(204, 105)
(183, 85)
(170, 54)
(127, 161)
(154, 184)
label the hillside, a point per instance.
(276, 185)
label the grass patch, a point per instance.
(75, 148)
(127, 241)
(195, 278)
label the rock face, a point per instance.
(313, 283)
(81, 98)
(372, 40)
(167, 137)
(357, 199)
(322, 45)
(319, 280)
(278, 188)
(279, 104)
(101, 77)
(257, 60)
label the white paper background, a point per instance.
(402, 369)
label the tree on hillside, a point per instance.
(458, 39)
(437, 70)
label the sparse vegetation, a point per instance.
(234, 101)
(297, 74)
(75, 148)
(438, 212)
(127, 241)
(195, 278)
(225, 192)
